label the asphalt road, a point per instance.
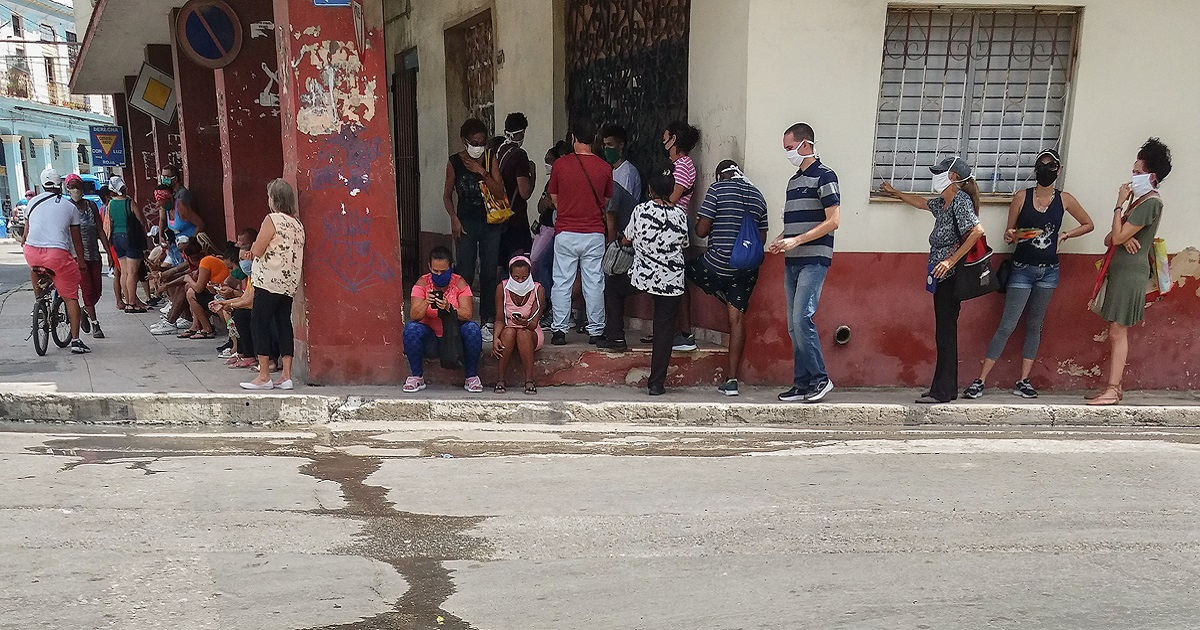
(13, 272)
(498, 527)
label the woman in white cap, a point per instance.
(956, 228)
(1035, 218)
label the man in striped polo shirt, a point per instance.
(810, 216)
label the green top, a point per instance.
(118, 213)
(1145, 214)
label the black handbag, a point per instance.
(973, 275)
(451, 349)
(1003, 273)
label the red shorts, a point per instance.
(66, 270)
(92, 282)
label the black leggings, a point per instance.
(245, 327)
(272, 311)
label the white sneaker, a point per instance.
(163, 328)
(488, 335)
(183, 324)
(165, 310)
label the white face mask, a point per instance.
(520, 288)
(796, 158)
(76, 194)
(511, 137)
(941, 182)
(1142, 185)
(475, 152)
(549, 168)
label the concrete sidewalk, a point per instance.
(135, 377)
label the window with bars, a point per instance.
(989, 85)
(18, 26)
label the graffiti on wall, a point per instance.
(346, 160)
(269, 97)
(334, 91)
(352, 258)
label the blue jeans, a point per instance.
(578, 254)
(1029, 291)
(803, 286)
(420, 342)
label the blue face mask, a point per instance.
(245, 265)
(441, 279)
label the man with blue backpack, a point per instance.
(734, 219)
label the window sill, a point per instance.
(985, 199)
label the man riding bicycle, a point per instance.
(51, 229)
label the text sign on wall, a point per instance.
(331, 3)
(108, 145)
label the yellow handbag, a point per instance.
(498, 208)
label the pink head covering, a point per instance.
(519, 258)
(73, 181)
(162, 195)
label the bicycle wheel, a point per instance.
(60, 323)
(41, 328)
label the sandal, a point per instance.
(187, 334)
(499, 388)
(134, 310)
(530, 388)
(200, 334)
(1110, 396)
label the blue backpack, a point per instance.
(747, 254)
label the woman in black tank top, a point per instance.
(1035, 219)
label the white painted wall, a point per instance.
(819, 61)
(524, 31)
(717, 82)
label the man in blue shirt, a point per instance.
(810, 216)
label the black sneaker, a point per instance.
(559, 338)
(96, 332)
(595, 339)
(1024, 389)
(612, 346)
(683, 343)
(78, 347)
(85, 324)
(657, 390)
(729, 387)
(794, 394)
(818, 392)
(975, 390)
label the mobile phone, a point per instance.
(437, 295)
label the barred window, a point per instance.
(989, 85)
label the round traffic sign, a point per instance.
(209, 32)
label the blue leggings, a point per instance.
(421, 342)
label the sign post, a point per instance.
(108, 145)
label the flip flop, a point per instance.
(190, 334)
(530, 388)
(133, 310)
(202, 335)
(499, 388)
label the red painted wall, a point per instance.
(350, 309)
(882, 298)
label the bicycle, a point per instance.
(50, 319)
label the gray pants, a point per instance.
(1038, 300)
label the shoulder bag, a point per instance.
(1100, 288)
(973, 276)
(450, 350)
(618, 258)
(498, 207)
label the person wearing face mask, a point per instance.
(477, 243)
(91, 230)
(519, 302)
(811, 215)
(52, 239)
(615, 138)
(180, 215)
(680, 139)
(1130, 242)
(441, 291)
(956, 228)
(514, 168)
(542, 249)
(1035, 219)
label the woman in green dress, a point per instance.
(1132, 235)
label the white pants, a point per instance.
(574, 254)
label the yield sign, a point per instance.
(106, 140)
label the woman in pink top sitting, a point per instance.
(521, 302)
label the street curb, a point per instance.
(270, 409)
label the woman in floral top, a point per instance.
(658, 232)
(275, 274)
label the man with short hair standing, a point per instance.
(580, 186)
(811, 214)
(51, 233)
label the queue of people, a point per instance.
(596, 239)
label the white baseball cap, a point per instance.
(50, 177)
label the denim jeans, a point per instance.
(480, 245)
(576, 254)
(803, 284)
(420, 342)
(1029, 286)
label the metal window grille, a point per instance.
(18, 26)
(989, 85)
(480, 75)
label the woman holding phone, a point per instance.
(520, 303)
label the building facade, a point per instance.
(888, 86)
(41, 122)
